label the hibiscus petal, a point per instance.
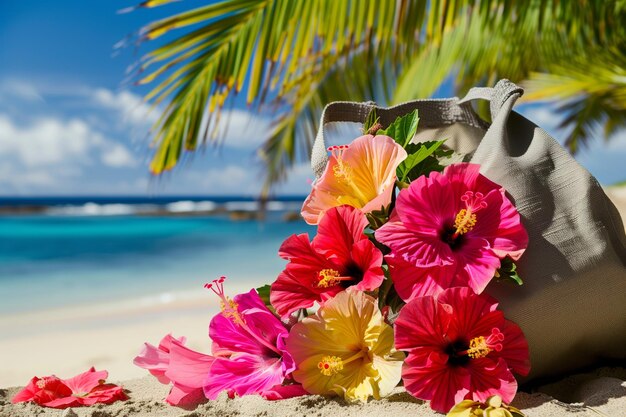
(491, 377)
(427, 205)
(421, 251)
(466, 176)
(154, 360)
(423, 322)
(258, 318)
(387, 362)
(228, 337)
(511, 238)
(86, 381)
(166, 342)
(411, 282)
(27, 393)
(244, 374)
(368, 259)
(283, 392)
(289, 365)
(374, 162)
(515, 351)
(298, 248)
(187, 367)
(488, 218)
(382, 200)
(476, 263)
(104, 394)
(61, 403)
(470, 310)
(290, 292)
(427, 376)
(340, 228)
(183, 396)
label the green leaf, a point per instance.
(264, 293)
(370, 121)
(377, 218)
(403, 128)
(508, 272)
(422, 159)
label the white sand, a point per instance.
(70, 340)
(602, 393)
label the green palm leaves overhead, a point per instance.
(291, 57)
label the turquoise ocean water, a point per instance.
(65, 256)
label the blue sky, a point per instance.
(70, 125)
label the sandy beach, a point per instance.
(69, 340)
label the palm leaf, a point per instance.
(295, 56)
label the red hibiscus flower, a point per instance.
(340, 256)
(459, 347)
(87, 388)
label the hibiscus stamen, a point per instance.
(43, 382)
(479, 347)
(230, 309)
(331, 365)
(228, 306)
(342, 170)
(329, 278)
(465, 219)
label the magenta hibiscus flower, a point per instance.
(248, 348)
(457, 225)
(248, 355)
(459, 347)
(340, 256)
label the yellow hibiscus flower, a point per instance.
(346, 348)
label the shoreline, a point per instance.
(108, 335)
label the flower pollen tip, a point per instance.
(479, 347)
(330, 365)
(329, 278)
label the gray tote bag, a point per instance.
(572, 306)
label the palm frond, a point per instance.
(594, 95)
(297, 55)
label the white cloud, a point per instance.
(131, 107)
(232, 179)
(117, 156)
(18, 89)
(47, 151)
(46, 141)
(240, 129)
(298, 180)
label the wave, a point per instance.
(174, 208)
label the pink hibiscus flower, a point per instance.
(172, 362)
(459, 347)
(458, 225)
(157, 359)
(340, 256)
(84, 389)
(249, 349)
(361, 174)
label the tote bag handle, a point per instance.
(432, 112)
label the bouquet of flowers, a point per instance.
(390, 289)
